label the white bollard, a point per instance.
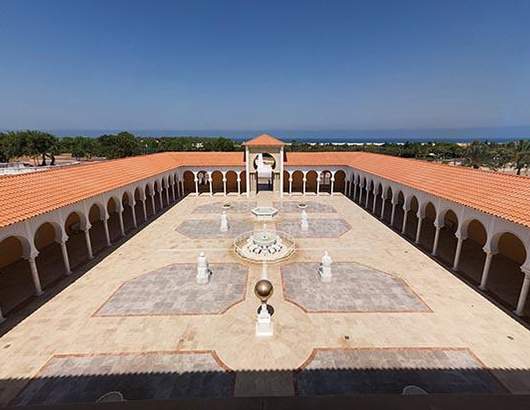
(325, 268)
(203, 270)
(264, 322)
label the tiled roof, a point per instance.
(503, 195)
(26, 195)
(264, 140)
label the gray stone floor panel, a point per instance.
(209, 229)
(318, 227)
(172, 290)
(217, 207)
(311, 208)
(353, 288)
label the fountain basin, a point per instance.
(264, 246)
(264, 211)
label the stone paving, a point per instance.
(148, 303)
(216, 207)
(354, 371)
(353, 288)
(312, 207)
(172, 290)
(318, 228)
(67, 379)
(199, 228)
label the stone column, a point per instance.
(167, 195)
(144, 208)
(461, 239)
(524, 292)
(375, 203)
(224, 184)
(210, 183)
(88, 242)
(238, 184)
(436, 239)
(383, 198)
(418, 229)
(174, 188)
(393, 215)
(66, 260)
(106, 227)
(367, 196)
(354, 196)
(133, 209)
(332, 184)
(486, 270)
(290, 184)
(405, 217)
(196, 185)
(361, 190)
(35, 275)
(160, 199)
(152, 195)
(318, 183)
(346, 187)
(304, 180)
(120, 217)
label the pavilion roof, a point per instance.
(264, 140)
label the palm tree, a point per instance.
(476, 154)
(521, 155)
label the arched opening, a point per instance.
(427, 227)
(164, 193)
(298, 181)
(98, 239)
(361, 199)
(447, 241)
(217, 182)
(50, 263)
(325, 181)
(378, 199)
(16, 283)
(472, 256)
(285, 181)
(114, 220)
(231, 182)
(189, 182)
(76, 244)
(505, 278)
(387, 215)
(412, 218)
(340, 181)
(127, 213)
(311, 182)
(156, 190)
(399, 213)
(370, 194)
(138, 206)
(203, 182)
(149, 201)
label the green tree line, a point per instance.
(43, 147)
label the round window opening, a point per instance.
(264, 161)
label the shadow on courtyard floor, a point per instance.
(225, 386)
(32, 304)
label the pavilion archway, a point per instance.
(370, 194)
(149, 202)
(325, 181)
(114, 220)
(387, 214)
(428, 230)
(378, 199)
(472, 256)
(298, 181)
(127, 213)
(16, 283)
(412, 218)
(157, 197)
(139, 207)
(203, 182)
(285, 181)
(231, 182)
(311, 182)
(399, 212)
(217, 182)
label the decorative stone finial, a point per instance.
(325, 268)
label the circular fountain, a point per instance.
(264, 245)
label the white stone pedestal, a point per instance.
(304, 224)
(325, 268)
(203, 270)
(263, 322)
(224, 222)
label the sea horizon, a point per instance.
(454, 135)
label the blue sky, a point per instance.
(248, 64)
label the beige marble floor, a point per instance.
(460, 317)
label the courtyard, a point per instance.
(138, 323)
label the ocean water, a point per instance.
(498, 134)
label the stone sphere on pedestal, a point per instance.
(263, 290)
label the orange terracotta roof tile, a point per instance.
(503, 195)
(264, 140)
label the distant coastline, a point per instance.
(463, 135)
